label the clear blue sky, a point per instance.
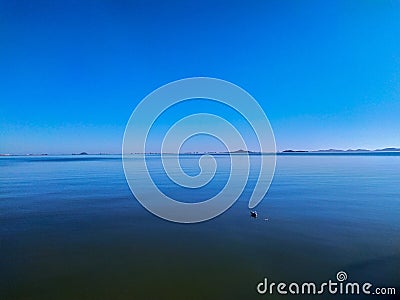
(327, 73)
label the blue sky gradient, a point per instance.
(327, 74)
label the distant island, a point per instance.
(388, 149)
(242, 152)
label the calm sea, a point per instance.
(71, 229)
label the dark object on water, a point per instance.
(253, 214)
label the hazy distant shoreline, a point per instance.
(238, 152)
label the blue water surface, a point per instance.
(71, 229)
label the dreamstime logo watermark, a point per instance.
(154, 105)
(334, 287)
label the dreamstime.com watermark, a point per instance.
(340, 286)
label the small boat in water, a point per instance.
(253, 214)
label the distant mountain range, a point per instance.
(241, 151)
(314, 151)
(339, 150)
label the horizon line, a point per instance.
(240, 151)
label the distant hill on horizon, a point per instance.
(241, 151)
